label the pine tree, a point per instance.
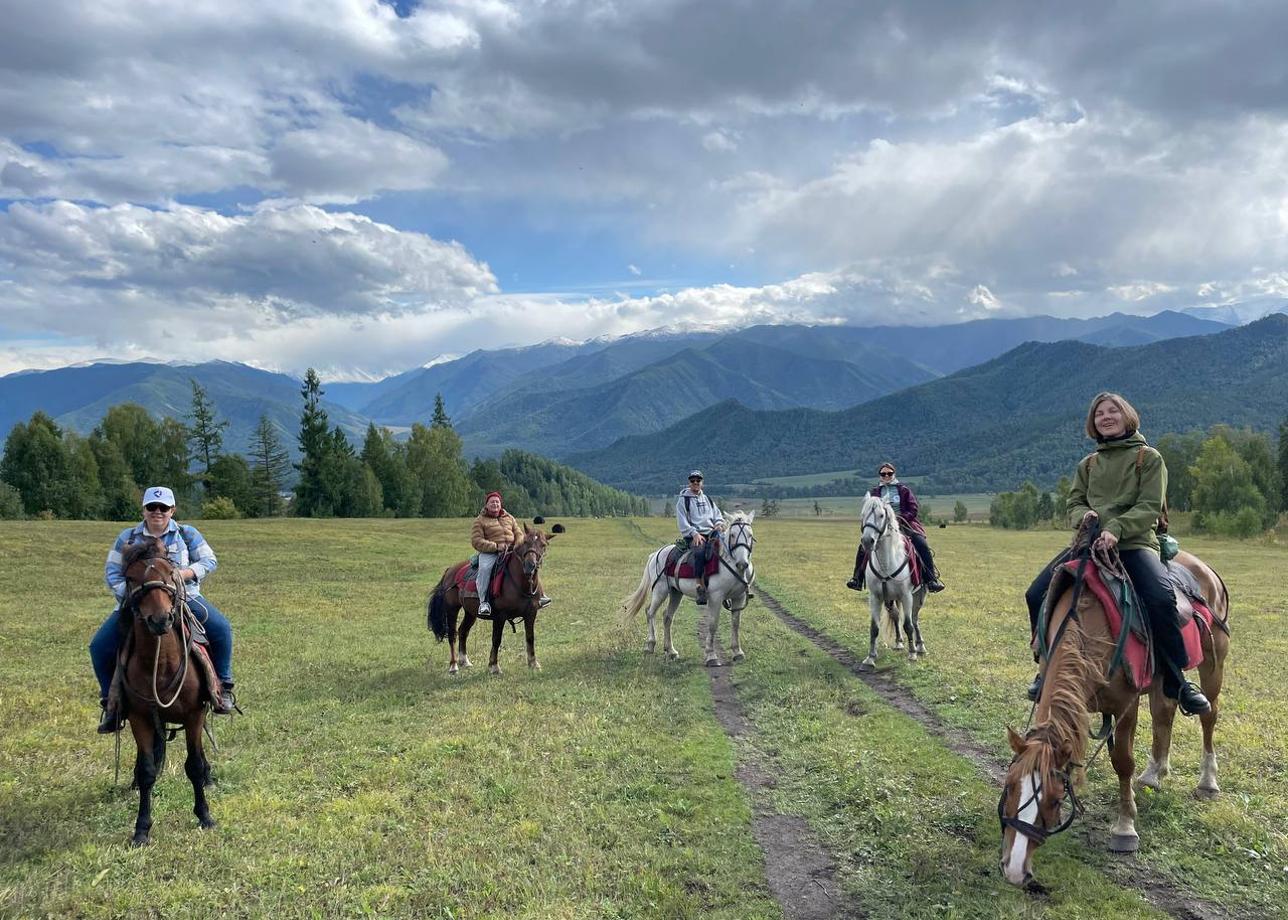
(206, 432)
(315, 443)
(270, 464)
(440, 419)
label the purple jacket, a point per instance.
(907, 506)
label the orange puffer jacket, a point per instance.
(489, 532)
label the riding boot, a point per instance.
(108, 722)
(225, 702)
(1191, 700)
(934, 585)
(856, 581)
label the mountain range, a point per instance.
(1018, 416)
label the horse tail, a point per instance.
(632, 605)
(889, 625)
(437, 613)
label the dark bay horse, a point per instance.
(161, 679)
(517, 599)
(1049, 757)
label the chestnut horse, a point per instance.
(161, 683)
(1050, 756)
(517, 599)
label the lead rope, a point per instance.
(181, 603)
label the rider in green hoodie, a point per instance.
(1124, 484)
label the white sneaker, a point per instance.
(544, 602)
(485, 609)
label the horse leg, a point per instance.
(453, 664)
(918, 598)
(148, 762)
(1162, 713)
(1211, 676)
(735, 643)
(898, 634)
(672, 604)
(877, 610)
(1122, 836)
(905, 604)
(467, 623)
(529, 624)
(715, 602)
(654, 602)
(197, 767)
(498, 630)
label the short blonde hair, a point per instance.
(1131, 418)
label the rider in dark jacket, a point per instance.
(905, 506)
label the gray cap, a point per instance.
(696, 474)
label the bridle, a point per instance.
(175, 588)
(881, 531)
(745, 537)
(1039, 833)
(532, 568)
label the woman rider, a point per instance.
(904, 504)
(1123, 483)
(495, 530)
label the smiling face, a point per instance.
(493, 505)
(1109, 419)
(156, 516)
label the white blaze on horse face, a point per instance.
(1014, 866)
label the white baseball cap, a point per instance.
(158, 494)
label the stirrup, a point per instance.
(1200, 704)
(485, 609)
(109, 723)
(225, 701)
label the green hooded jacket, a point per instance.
(1124, 482)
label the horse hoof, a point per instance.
(714, 663)
(738, 656)
(921, 650)
(467, 663)
(868, 664)
(534, 665)
(207, 824)
(1207, 792)
(650, 648)
(1124, 843)
(673, 655)
(140, 840)
(494, 670)
(912, 655)
(899, 645)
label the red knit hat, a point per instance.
(487, 497)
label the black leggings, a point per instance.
(1149, 577)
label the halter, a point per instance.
(733, 544)
(532, 576)
(177, 591)
(1039, 833)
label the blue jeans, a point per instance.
(107, 641)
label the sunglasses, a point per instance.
(885, 473)
(155, 507)
(695, 479)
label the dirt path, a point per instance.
(1123, 870)
(800, 871)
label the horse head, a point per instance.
(876, 518)
(531, 551)
(740, 540)
(154, 589)
(1032, 806)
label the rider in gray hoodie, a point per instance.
(698, 518)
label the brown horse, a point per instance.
(1050, 757)
(517, 599)
(161, 682)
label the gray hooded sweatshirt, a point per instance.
(696, 513)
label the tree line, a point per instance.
(47, 471)
(1233, 480)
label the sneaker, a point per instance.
(544, 602)
(485, 609)
(226, 702)
(108, 723)
(1192, 701)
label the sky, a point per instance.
(361, 187)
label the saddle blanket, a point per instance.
(467, 578)
(679, 564)
(1136, 653)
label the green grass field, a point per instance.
(364, 781)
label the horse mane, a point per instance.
(141, 549)
(740, 517)
(1065, 698)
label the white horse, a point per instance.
(729, 586)
(891, 595)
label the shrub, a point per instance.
(220, 509)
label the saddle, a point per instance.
(199, 657)
(1118, 600)
(467, 576)
(679, 563)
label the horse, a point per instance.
(728, 586)
(517, 599)
(889, 579)
(1050, 756)
(160, 683)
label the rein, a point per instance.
(882, 533)
(1040, 833)
(725, 552)
(175, 588)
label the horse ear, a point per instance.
(526, 529)
(1017, 743)
(751, 516)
